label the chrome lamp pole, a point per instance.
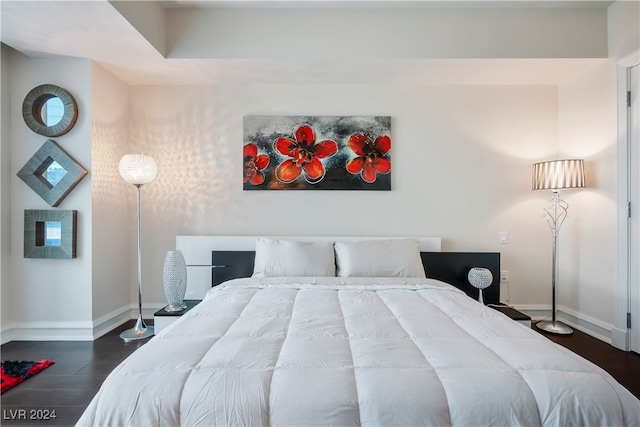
(556, 175)
(138, 169)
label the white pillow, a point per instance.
(277, 258)
(379, 258)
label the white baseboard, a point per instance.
(48, 331)
(6, 334)
(89, 331)
(74, 331)
(589, 325)
(110, 321)
(619, 338)
(536, 312)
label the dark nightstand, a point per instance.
(513, 314)
(163, 318)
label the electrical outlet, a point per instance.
(504, 276)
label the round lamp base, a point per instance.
(139, 332)
(554, 327)
(177, 307)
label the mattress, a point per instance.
(354, 351)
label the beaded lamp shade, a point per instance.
(137, 169)
(480, 278)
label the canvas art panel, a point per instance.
(317, 153)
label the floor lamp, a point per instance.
(138, 169)
(556, 175)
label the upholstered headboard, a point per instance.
(212, 260)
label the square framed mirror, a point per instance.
(50, 233)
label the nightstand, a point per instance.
(163, 318)
(513, 314)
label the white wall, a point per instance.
(461, 169)
(588, 129)
(6, 310)
(351, 34)
(112, 221)
(587, 243)
(149, 18)
(461, 157)
(50, 294)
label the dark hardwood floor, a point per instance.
(623, 366)
(68, 386)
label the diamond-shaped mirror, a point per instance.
(52, 173)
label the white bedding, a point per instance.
(354, 351)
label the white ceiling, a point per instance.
(95, 30)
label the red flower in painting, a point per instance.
(254, 164)
(370, 158)
(304, 155)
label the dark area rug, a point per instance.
(13, 372)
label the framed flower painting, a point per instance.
(317, 153)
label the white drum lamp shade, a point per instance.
(137, 169)
(556, 175)
(480, 278)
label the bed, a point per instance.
(352, 333)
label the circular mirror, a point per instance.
(52, 111)
(49, 110)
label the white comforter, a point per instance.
(332, 351)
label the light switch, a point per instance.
(504, 239)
